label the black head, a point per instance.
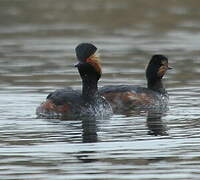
(157, 67)
(84, 51)
(88, 65)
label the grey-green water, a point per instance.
(37, 40)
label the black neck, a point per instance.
(90, 79)
(156, 85)
(89, 88)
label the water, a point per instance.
(37, 40)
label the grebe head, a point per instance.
(89, 61)
(157, 67)
(84, 51)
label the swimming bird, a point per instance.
(70, 104)
(124, 98)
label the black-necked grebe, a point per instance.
(124, 98)
(70, 104)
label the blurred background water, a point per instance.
(37, 40)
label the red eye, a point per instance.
(88, 60)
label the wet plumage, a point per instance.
(67, 103)
(124, 98)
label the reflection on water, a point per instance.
(37, 40)
(155, 124)
(89, 133)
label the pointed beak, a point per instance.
(77, 64)
(168, 68)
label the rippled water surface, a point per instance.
(37, 40)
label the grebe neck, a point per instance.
(156, 85)
(89, 88)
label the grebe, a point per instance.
(124, 98)
(70, 104)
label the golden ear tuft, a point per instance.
(94, 60)
(162, 70)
